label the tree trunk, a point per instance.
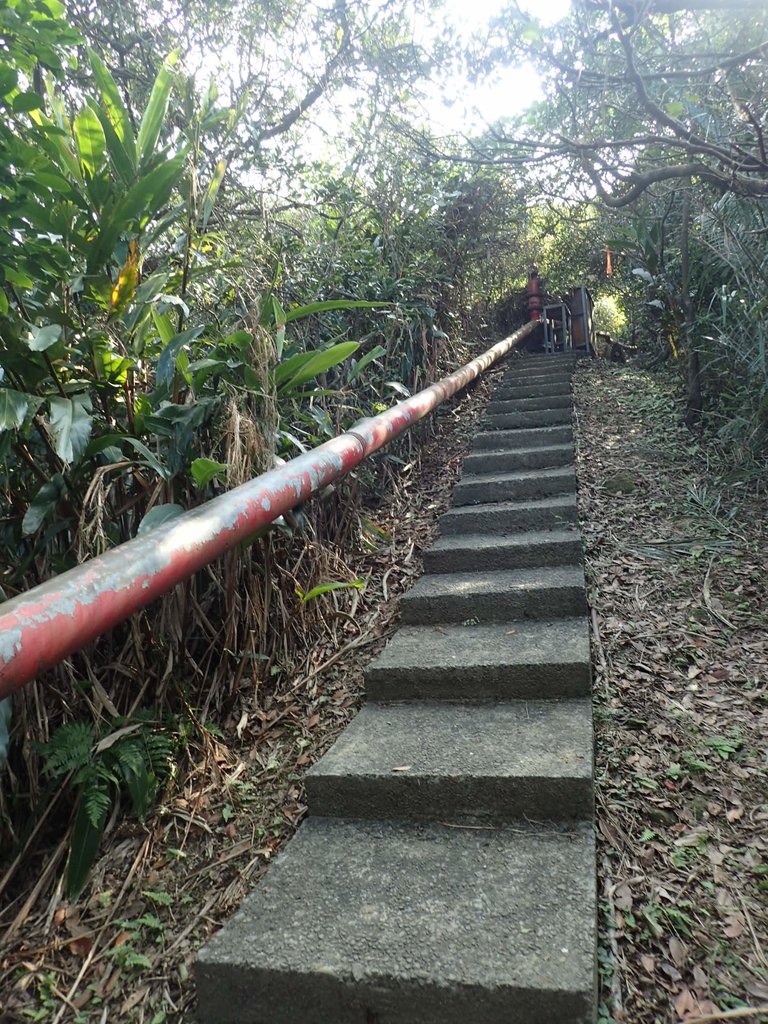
(693, 368)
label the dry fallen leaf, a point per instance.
(677, 951)
(622, 898)
(649, 963)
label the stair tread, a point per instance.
(529, 436)
(468, 584)
(528, 403)
(515, 740)
(538, 373)
(531, 417)
(497, 511)
(419, 922)
(485, 661)
(543, 449)
(486, 645)
(510, 476)
(521, 539)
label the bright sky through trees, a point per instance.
(458, 105)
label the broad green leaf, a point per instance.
(152, 121)
(24, 102)
(86, 835)
(118, 154)
(204, 470)
(201, 369)
(213, 190)
(278, 312)
(149, 459)
(320, 362)
(150, 191)
(288, 367)
(91, 144)
(240, 340)
(675, 109)
(318, 307)
(376, 353)
(8, 80)
(42, 338)
(159, 515)
(138, 784)
(4, 306)
(142, 407)
(53, 181)
(13, 408)
(325, 588)
(17, 277)
(71, 424)
(164, 326)
(114, 106)
(146, 197)
(166, 364)
(43, 504)
(57, 146)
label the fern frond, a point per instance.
(97, 800)
(68, 749)
(160, 748)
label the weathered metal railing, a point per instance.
(40, 628)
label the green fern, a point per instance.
(161, 747)
(131, 758)
(96, 794)
(69, 748)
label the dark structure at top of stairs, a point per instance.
(446, 872)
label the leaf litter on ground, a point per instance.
(676, 570)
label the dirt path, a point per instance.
(676, 563)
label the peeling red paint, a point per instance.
(40, 628)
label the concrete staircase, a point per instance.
(446, 871)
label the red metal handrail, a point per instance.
(41, 627)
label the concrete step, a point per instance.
(506, 516)
(545, 457)
(487, 487)
(530, 418)
(479, 763)
(531, 390)
(568, 358)
(527, 367)
(398, 923)
(502, 405)
(531, 379)
(499, 596)
(536, 437)
(544, 659)
(473, 552)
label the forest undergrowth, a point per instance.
(676, 564)
(123, 952)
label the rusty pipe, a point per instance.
(41, 627)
